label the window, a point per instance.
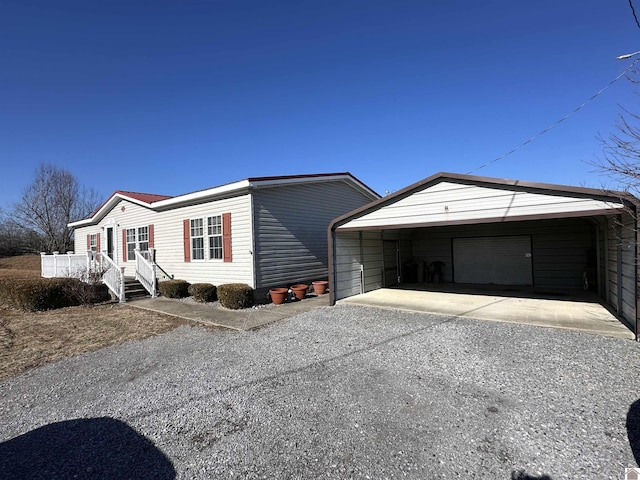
(131, 243)
(197, 239)
(143, 238)
(207, 238)
(214, 234)
(137, 238)
(93, 242)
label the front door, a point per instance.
(390, 258)
(110, 242)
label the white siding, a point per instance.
(168, 239)
(290, 225)
(170, 249)
(122, 216)
(453, 202)
(347, 267)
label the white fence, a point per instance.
(79, 265)
(66, 264)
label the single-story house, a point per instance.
(477, 230)
(262, 231)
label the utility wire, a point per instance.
(633, 10)
(552, 126)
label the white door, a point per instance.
(493, 260)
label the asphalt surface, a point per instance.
(338, 392)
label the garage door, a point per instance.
(493, 260)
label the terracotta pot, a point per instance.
(300, 290)
(278, 295)
(320, 287)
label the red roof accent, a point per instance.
(141, 197)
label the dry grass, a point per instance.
(21, 266)
(29, 340)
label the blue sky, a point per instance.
(174, 96)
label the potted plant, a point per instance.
(300, 290)
(320, 287)
(278, 295)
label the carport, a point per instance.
(463, 230)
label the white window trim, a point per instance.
(192, 237)
(205, 239)
(136, 240)
(209, 236)
(93, 242)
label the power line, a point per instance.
(633, 10)
(552, 126)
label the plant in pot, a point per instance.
(320, 287)
(299, 290)
(278, 295)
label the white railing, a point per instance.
(66, 264)
(146, 270)
(113, 276)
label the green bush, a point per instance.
(235, 295)
(174, 288)
(202, 292)
(33, 294)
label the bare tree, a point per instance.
(621, 150)
(50, 202)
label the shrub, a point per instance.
(86, 293)
(33, 294)
(202, 292)
(235, 295)
(174, 288)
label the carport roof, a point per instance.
(458, 199)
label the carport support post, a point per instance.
(361, 263)
(637, 268)
(619, 263)
(332, 263)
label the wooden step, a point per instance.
(134, 289)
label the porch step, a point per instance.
(134, 289)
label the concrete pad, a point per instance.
(214, 315)
(581, 315)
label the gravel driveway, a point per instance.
(339, 392)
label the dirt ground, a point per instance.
(28, 340)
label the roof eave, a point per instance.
(443, 176)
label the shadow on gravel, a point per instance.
(633, 430)
(522, 475)
(96, 448)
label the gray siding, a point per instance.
(347, 266)
(559, 247)
(290, 225)
(372, 260)
(621, 248)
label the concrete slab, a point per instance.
(584, 313)
(214, 315)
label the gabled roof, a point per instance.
(143, 197)
(165, 202)
(440, 208)
(136, 197)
